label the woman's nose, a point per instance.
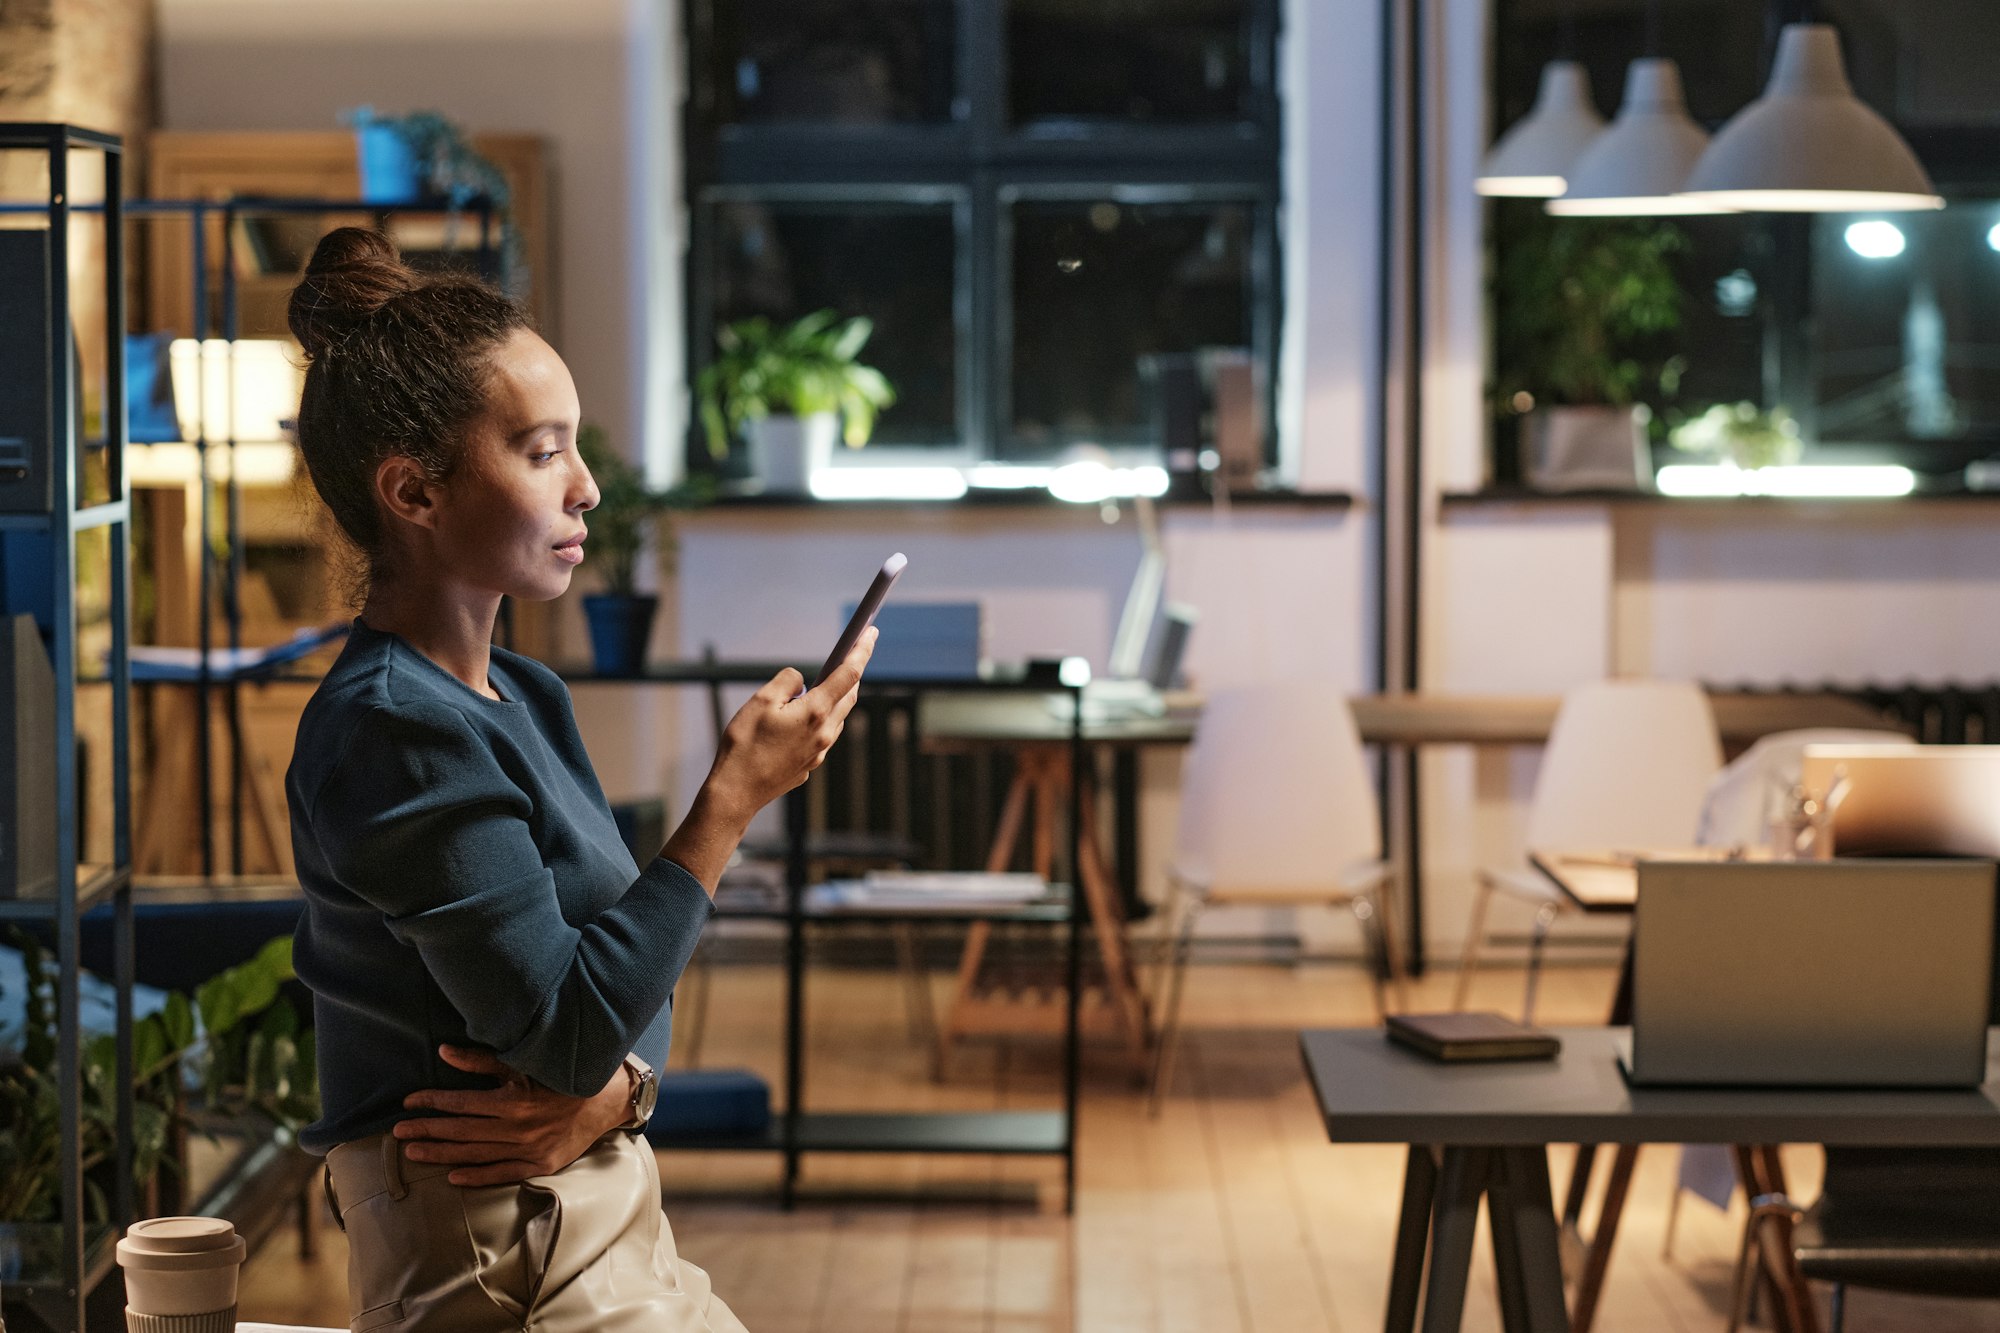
(584, 496)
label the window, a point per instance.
(1029, 198)
(1881, 343)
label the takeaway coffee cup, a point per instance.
(180, 1275)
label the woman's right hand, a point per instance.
(772, 745)
(780, 736)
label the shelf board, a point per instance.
(94, 883)
(1015, 1133)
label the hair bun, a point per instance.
(354, 273)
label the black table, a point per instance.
(1484, 1129)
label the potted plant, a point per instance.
(1584, 310)
(1742, 434)
(787, 390)
(406, 158)
(628, 510)
(253, 1051)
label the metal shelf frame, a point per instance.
(794, 1131)
(58, 1298)
(225, 323)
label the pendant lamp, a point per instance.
(1635, 167)
(1534, 157)
(1809, 145)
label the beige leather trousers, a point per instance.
(583, 1250)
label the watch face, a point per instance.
(646, 1098)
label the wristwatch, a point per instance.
(645, 1094)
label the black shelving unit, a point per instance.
(62, 1262)
(796, 1131)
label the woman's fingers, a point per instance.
(451, 1102)
(474, 1061)
(847, 676)
(461, 1154)
(783, 687)
(461, 1128)
(499, 1173)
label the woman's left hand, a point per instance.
(500, 1135)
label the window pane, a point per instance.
(845, 62)
(1157, 61)
(1097, 285)
(893, 263)
(1906, 317)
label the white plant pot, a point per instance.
(785, 451)
(1586, 448)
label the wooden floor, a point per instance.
(1229, 1213)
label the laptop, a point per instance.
(1936, 800)
(1812, 974)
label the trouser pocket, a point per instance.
(513, 1230)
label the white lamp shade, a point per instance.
(1635, 167)
(1534, 157)
(1809, 145)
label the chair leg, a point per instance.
(918, 1012)
(1475, 941)
(1391, 933)
(1170, 1020)
(1545, 916)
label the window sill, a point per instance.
(1524, 495)
(1034, 498)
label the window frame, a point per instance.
(989, 164)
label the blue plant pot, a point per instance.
(389, 172)
(619, 629)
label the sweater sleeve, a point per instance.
(420, 820)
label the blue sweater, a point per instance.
(465, 884)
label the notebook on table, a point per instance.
(1471, 1036)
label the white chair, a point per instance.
(1627, 766)
(1277, 810)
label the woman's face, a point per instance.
(510, 519)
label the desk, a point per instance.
(1401, 720)
(1483, 1129)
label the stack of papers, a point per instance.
(963, 891)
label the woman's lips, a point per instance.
(571, 550)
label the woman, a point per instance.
(491, 970)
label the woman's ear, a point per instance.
(406, 491)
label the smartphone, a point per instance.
(864, 614)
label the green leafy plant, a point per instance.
(800, 368)
(252, 1053)
(1743, 433)
(627, 509)
(1583, 309)
(458, 173)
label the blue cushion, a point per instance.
(700, 1103)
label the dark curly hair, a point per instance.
(396, 363)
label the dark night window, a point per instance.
(1099, 284)
(833, 62)
(1185, 61)
(1027, 197)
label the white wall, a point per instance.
(591, 77)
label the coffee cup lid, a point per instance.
(180, 1242)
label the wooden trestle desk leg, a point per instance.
(1596, 1260)
(1042, 775)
